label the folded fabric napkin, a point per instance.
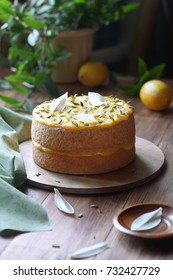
(17, 211)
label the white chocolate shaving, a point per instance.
(62, 204)
(147, 221)
(86, 118)
(90, 251)
(96, 99)
(59, 103)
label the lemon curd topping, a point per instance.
(110, 112)
(105, 152)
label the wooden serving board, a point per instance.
(146, 166)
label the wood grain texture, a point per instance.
(72, 233)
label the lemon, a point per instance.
(156, 95)
(93, 73)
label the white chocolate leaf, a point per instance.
(87, 118)
(96, 99)
(147, 221)
(59, 103)
(90, 251)
(62, 204)
(150, 224)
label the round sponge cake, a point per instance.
(83, 134)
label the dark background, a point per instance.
(146, 32)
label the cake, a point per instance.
(83, 134)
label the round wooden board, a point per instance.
(146, 166)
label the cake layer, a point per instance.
(102, 138)
(83, 134)
(84, 153)
(83, 165)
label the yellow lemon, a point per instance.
(93, 73)
(156, 95)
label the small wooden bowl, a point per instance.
(123, 220)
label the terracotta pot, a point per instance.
(79, 44)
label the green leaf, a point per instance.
(20, 78)
(142, 67)
(157, 71)
(34, 23)
(16, 51)
(5, 10)
(19, 88)
(61, 54)
(21, 67)
(144, 75)
(132, 90)
(39, 78)
(130, 7)
(10, 101)
(79, 1)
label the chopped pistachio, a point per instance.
(75, 123)
(56, 246)
(80, 215)
(100, 212)
(122, 113)
(94, 206)
(113, 109)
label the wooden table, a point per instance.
(72, 233)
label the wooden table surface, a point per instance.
(72, 233)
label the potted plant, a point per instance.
(33, 30)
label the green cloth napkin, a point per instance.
(17, 211)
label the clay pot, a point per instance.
(79, 44)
